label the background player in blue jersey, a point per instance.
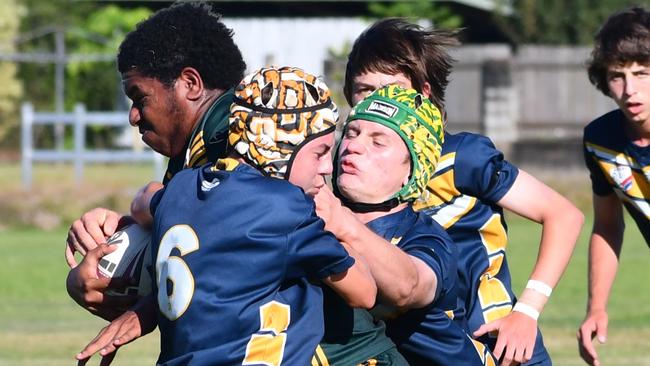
(388, 154)
(471, 186)
(247, 241)
(617, 155)
(181, 90)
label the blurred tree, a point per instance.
(97, 84)
(92, 35)
(10, 14)
(555, 21)
(440, 16)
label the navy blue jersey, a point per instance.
(471, 177)
(429, 336)
(617, 165)
(234, 252)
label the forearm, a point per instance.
(560, 233)
(603, 265)
(393, 270)
(356, 286)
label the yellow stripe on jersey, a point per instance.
(396, 240)
(197, 154)
(450, 314)
(494, 235)
(612, 156)
(449, 214)
(632, 185)
(370, 362)
(227, 164)
(442, 194)
(319, 358)
(441, 189)
(446, 161)
(486, 357)
(493, 296)
(639, 189)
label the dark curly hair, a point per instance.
(394, 45)
(183, 35)
(623, 39)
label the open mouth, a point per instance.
(634, 108)
(347, 166)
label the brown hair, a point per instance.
(393, 46)
(624, 38)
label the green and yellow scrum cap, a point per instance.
(417, 121)
(275, 112)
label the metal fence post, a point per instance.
(27, 120)
(79, 141)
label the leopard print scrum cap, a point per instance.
(275, 112)
(417, 121)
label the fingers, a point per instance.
(601, 330)
(99, 223)
(69, 255)
(528, 355)
(93, 256)
(585, 344)
(499, 347)
(111, 222)
(92, 229)
(485, 328)
(122, 330)
(104, 337)
(76, 237)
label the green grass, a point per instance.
(40, 325)
(629, 306)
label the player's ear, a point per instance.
(426, 89)
(190, 83)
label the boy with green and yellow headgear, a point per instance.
(389, 152)
(419, 125)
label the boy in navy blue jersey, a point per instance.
(389, 152)
(181, 87)
(618, 157)
(237, 244)
(468, 191)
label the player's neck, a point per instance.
(638, 133)
(366, 217)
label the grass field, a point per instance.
(40, 325)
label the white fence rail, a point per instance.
(79, 156)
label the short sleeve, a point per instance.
(155, 201)
(599, 184)
(435, 248)
(314, 252)
(481, 170)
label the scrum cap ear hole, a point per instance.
(418, 101)
(313, 92)
(267, 93)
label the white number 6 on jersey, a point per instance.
(172, 268)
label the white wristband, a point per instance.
(540, 287)
(526, 309)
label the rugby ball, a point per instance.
(132, 259)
